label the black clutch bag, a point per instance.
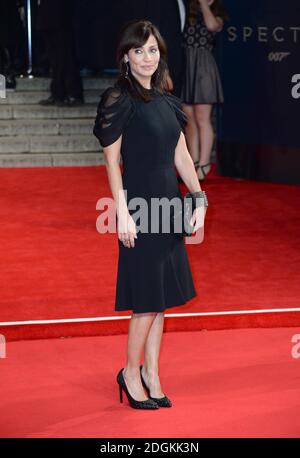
(180, 219)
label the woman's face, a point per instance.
(144, 61)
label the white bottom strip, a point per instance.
(167, 315)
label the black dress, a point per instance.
(155, 273)
(201, 79)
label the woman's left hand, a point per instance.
(198, 217)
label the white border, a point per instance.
(167, 315)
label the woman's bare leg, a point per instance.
(192, 133)
(152, 347)
(203, 118)
(139, 327)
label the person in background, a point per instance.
(11, 36)
(55, 20)
(171, 24)
(202, 85)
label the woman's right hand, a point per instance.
(198, 218)
(126, 230)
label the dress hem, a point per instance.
(157, 311)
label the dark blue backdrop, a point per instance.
(259, 106)
(258, 54)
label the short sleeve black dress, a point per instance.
(155, 273)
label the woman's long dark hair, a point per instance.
(135, 34)
(217, 9)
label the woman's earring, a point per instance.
(127, 69)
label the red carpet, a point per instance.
(239, 383)
(55, 265)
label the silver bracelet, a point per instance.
(199, 198)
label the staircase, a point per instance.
(32, 135)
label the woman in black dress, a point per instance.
(143, 123)
(202, 85)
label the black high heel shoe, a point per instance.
(147, 404)
(162, 402)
